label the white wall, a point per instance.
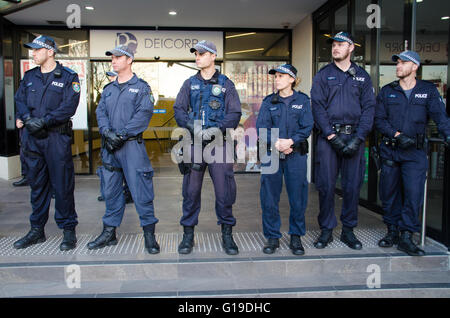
(302, 59)
(9, 167)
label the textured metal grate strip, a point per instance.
(204, 243)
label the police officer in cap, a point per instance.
(47, 98)
(126, 191)
(123, 114)
(290, 112)
(209, 101)
(402, 111)
(343, 104)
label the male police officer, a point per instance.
(211, 98)
(401, 117)
(123, 114)
(126, 191)
(343, 105)
(47, 97)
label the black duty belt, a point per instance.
(64, 128)
(392, 142)
(137, 137)
(344, 129)
(111, 167)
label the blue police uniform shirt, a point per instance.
(231, 104)
(125, 110)
(337, 97)
(395, 112)
(55, 100)
(294, 119)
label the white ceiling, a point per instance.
(190, 13)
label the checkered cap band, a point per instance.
(43, 44)
(409, 57)
(124, 52)
(344, 38)
(286, 70)
(206, 48)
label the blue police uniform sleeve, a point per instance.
(102, 114)
(22, 110)
(367, 110)
(381, 116)
(319, 106)
(182, 104)
(264, 121)
(69, 104)
(232, 108)
(436, 110)
(142, 115)
(306, 123)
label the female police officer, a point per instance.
(289, 112)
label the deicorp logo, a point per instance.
(128, 39)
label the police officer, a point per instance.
(47, 98)
(123, 114)
(290, 112)
(343, 105)
(126, 191)
(401, 117)
(210, 99)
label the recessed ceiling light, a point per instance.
(445, 18)
(89, 8)
(419, 1)
(172, 12)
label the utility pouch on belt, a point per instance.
(303, 147)
(420, 141)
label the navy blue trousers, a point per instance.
(293, 168)
(327, 167)
(406, 172)
(50, 166)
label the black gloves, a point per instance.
(112, 140)
(352, 147)
(36, 127)
(338, 144)
(404, 142)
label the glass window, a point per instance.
(392, 38)
(323, 49)
(340, 19)
(253, 83)
(257, 46)
(71, 44)
(432, 45)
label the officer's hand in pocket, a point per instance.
(404, 142)
(352, 148)
(337, 144)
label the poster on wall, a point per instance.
(80, 119)
(253, 83)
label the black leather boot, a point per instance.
(106, 238)
(150, 241)
(391, 237)
(349, 238)
(21, 183)
(326, 237)
(405, 244)
(228, 243)
(69, 241)
(296, 245)
(271, 245)
(187, 243)
(34, 236)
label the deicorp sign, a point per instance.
(151, 45)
